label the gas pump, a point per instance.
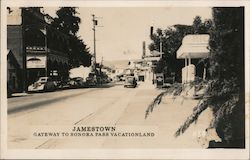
(159, 80)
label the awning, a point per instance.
(194, 46)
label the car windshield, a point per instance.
(42, 79)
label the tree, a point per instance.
(225, 93)
(197, 24)
(200, 27)
(67, 22)
(171, 41)
(79, 53)
(227, 68)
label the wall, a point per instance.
(15, 42)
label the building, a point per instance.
(13, 73)
(40, 49)
(193, 47)
(143, 69)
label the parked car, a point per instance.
(43, 84)
(130, 81)
(91, 81)
(168, 82)
(76, 82)
(107, 80)
(63, 84)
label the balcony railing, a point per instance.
(38, 49)
(41, 49)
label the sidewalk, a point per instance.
(171, 114)
(22, 94)
(166, 117)
(146, 85)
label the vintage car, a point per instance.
(43, 84)
(130, 81)
(91, 80)
(76, 82)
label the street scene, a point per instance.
(80, 107)
(122, 78)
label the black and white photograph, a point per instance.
(124, 80)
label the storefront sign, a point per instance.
(36, 61)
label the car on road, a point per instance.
(91, 80)
(63, 84)
(76, 82)
(130, 81)
(168, 82)
(43, 84)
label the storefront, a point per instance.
(40, 50)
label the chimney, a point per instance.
(143, 49)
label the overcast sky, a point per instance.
(122, 30)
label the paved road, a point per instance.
(21, 102)
(114, 106)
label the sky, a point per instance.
(121, 31)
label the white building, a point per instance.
(193, 47)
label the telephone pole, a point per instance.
(94, 24)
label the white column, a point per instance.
(185, 61)
(189, 59)
(189, 63)
(186, 69)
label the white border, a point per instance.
(120, 153)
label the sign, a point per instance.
(38, 61)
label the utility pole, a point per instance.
(94, 24)
(101, 66)
(161, 46)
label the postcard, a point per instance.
(124, 79)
